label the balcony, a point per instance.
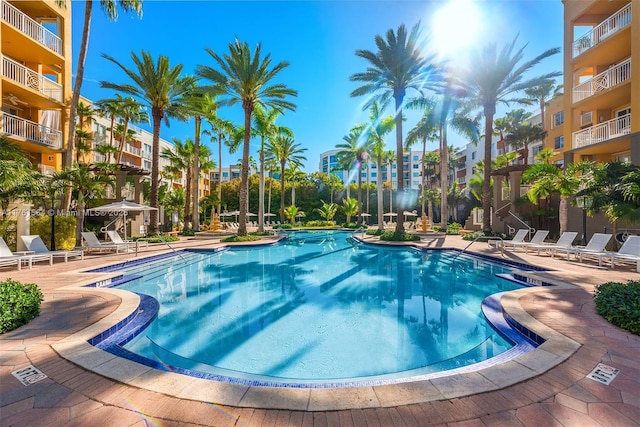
(31, 131)
(29, 78)
(31, 28)
(603, 131)
(128, 148)
(602, 31)
(615, 75)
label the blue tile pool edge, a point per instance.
(112, 339)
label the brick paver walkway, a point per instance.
(562, 396)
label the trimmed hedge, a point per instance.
(65, 230)
(19, 304)
(619, 304)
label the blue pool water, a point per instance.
(319, 307)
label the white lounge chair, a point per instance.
(9, 258)
(565, 241)
(537, 239)
(94, 244)
(35, 244)
(595, 247)
(629, 253)
(517, 238)
(115, 238)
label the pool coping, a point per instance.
(555, 349)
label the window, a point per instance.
(558, 118)
(416, 174)
(559, 142)
(416, 158)
(416, 166)
(536, 150)
(473, 155)
(416, 183)
(225, 174)
(332, 159)
(393, 175)
(373, 174)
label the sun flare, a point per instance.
(455, 27)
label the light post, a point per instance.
(584, 203)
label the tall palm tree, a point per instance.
(523, 135)
(163, 88)
(131, 111)
(397, 66)
(246, 78)
(541, 94)
(379, 128)
(283, 149)
(111, 109)
(199, 106)
(352, 152)
(221, 130)
(494, 77)
(265, 127)
(110, 8)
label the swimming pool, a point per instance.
(318, 308)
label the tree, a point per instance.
(18, 180)
(292, 212)
(523, 135)
(494, 77)
(398, 65)
(541, 94)
(349, 208)
(379, 127)
(109, 108)
(246, 78)
(327, 211)
(110, 8)
(163, 88)
(283, 149)
(131, 111)
(86, 185)
(352, 154)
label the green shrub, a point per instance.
(187, 233)
(264, 233)
(19, 304)
(619, 304)
(476, 234)
(392, 236)
(159, 238)
(375, 232)
(283, 226)
(65, 230)
(235, 238)
(8, 231)
(436, 228)
(454, 228)
(320, 223)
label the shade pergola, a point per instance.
(122, 207)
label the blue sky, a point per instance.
(318, 39)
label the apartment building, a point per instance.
(35, 82)
(602, 80)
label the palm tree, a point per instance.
(199, 106)
(221, 130)
(18, 180)
(541, 94)
(131, 111)
(163, 88)
(86, 184)
(265, 127)
(397, 66)
(353, 152)
(283, 149)
(524, 134)
(327, 211)
(110, 8)
(110, 108)
(349, 208)
(246, 79)
(495, 77)
(379, 128)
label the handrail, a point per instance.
(489, 238)
(174, 251)
(531, 229)
(505, 206)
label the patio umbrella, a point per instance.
(122, 207)
(269, 214)
(407, 213)
(365, 214)
(390, 214)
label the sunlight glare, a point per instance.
(455, 27)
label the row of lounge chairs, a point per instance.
(629, 253)
(38, 252)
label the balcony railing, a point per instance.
(128, 148)
(602, 131)
(31, 131)
(16, 18)
(29, 78)
(599, 33)
(613, 76)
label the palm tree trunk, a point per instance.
(196, 173)
(187, 199)
(157, 115)
(489, 112)
(399, 163)
(219, 173)
(380, 196)
(282, 165)
(244, 172)
(261, 189)
(444, 173)
(359, 217)
(563, 214)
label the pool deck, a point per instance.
(549, 387)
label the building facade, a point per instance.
(35, 82)
(602, 80)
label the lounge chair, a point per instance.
(517, 238)
(115, 238)
(537, 239)
(93, 244)
(9, 258)
(629, 253)
(35, 244)
(565, 241)
(595, 247)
